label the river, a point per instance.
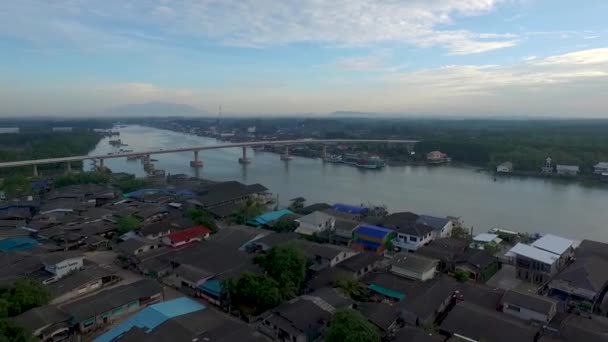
(539, 205)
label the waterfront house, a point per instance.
(446, 250)
(506, 167)
(601, 168)
(315, 223)
(412, 266)
(268, 218)
(534, 264)
(322, 256)
(529, 307)
(442, 226)
(567, 170)
(478, 264)
(186, 236)
(482, 240)
(351, 212)
(230, 192)
(371, 238)
(562, 247)
(411, 236)
(436, 157)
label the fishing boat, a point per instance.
(350, 158)
(371, 162)
(333, 158)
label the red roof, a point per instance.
(186, 234)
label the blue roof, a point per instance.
(17, 244)
(153, 316)
(387, 292)
(373, 231)
(434, 222)
(213, 286)
(269, 217)
(368, 244)
(349, 209)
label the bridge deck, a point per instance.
(198, 148)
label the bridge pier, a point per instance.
(101, 166)
(244, 159)
(35, 170)
(68, 167)
(196, 163)
(324, 152)
(286, 156)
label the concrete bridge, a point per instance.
(197, 162)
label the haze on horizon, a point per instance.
(426, 57)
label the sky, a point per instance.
(405, 57)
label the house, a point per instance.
(534, 264)
(411, 334)
(480, 241)
(446, 250)
(315, 223)
(471, 323)
(103, 308)
(416, 267)
(61, 264)
(46, 323)
(582, 284)
(478, 264)
(562, 247)
(371, 238)
(411, 236)
(156, 230)
(383, 316)
(323, 255)
(309, 209)
(506, 167)
(230, 192)
(342, 233)
(183, 237)
(436, 157)
(269, 241)
(88, 279)
(600, 168)
(529, 307)
(266, 219)
(425, 301)
(576, 328)
(442, 226)
(354, 268)
(567, 170)
(351, 209)
(136, 246)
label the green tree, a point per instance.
(248, 210)
(25, 294)
(16, 186)
(203, 218)
(353, 289)
(82, 178)
(349, 326)
(132, 184)
(287, 265)
(255, 293)
(461, 276)
(127, 224)
(285, 224)
(10, 332)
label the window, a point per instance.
(413, 238)
(514, 308)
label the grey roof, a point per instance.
(313, 249)
(315, 218)
(481, 295)
(398, 219)
(587, 273)
(553, 243)
(224, 210)
(534, 253)
(41, 317)
(156, 227)
(300, 316)
(191, 273)
(131, 245)
(220, 193)
(380, 314)
(90, 273)
(571, 168)
(53, 258)
(413, 262)
(107, 300)
(333, 296)
(412, 334)
(532, 302)
(437, 223)
(313, 207)
(592, 248)
(478, 258)
(446, 249)
(485, 325)
(345, 227)
(425, 298)
(602, 165)
(235, 237)
(360, 261)
(574, 328)
(275, 239)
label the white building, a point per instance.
(413, 266)
(315, 223)
(506, 167)
(600, 168)
(480, 241)
(567, 170)
(62, 264)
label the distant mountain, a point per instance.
(351, 114)
(155, 109)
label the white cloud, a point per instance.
(260, 22)
(529, 58)
(592, 56)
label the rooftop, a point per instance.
(588, 273)
(437, 223)
(315, 218)
(532, 302)
(188, 234)
(360, 261)
(534, 253)
(485, 237)
(413, 262)
(554, 244)
(382, 315)
(40, 317)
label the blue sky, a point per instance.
(421, 57)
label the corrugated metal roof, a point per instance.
(386, 292)
(373, 231)
(485, 237)
(153, 316)
(534, 253)
(553, 243)
(270, 216)
(350, 209)
(17, 244)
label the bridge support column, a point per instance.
(196, 163)
(101, 166)
(324, 152)
(286, 156)
(35, 170)
(244, 159)
(68, 167)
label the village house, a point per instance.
(442, 226)
(533, 264)
(567, 170)
(478, 264)
(46, 323)
(446, 250)
(436, 157)
(371, 238)
(529, 307)
(506, 167)
(186, 236)
(480, 241)
(412, 266)
(601, 168)
(315, 223)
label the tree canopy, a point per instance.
(348, 325)
(248, 210)
(255, 292)
(285, 224)
(287, 266)
(16, 186)
(9, 332)
(25, 294)
(82, 178)
(203, 218)
(127, 224)
(131, 184)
